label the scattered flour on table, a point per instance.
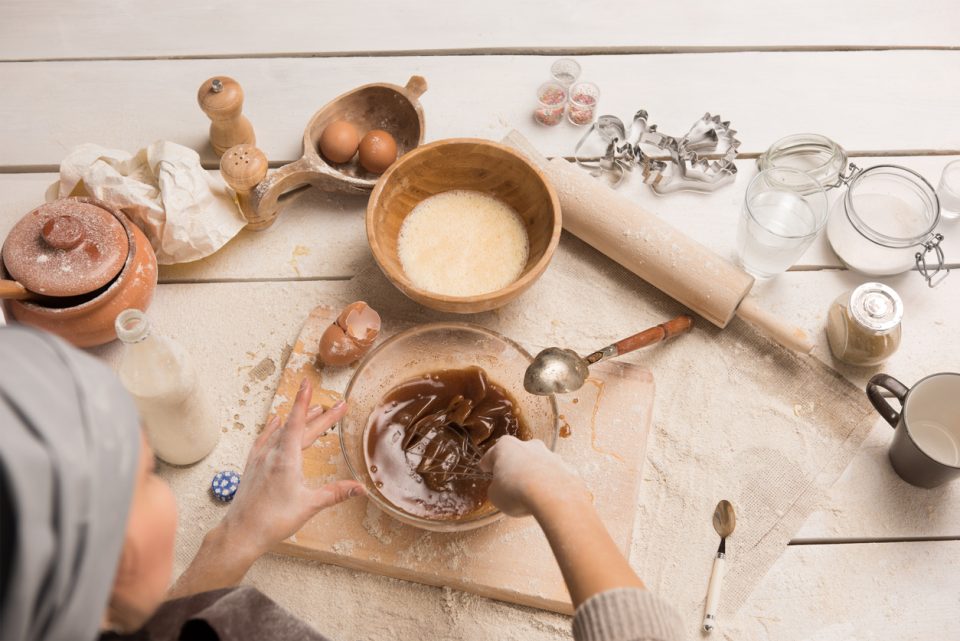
(373, 524)
(344, 547)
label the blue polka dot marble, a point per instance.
(225, 485)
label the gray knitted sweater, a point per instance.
(627, 614)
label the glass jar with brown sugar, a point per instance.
(863, 325)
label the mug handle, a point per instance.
(892, 385)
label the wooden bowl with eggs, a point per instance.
(378, 107)
(464, 255)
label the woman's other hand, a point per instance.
(527, 477)
(274, 501)
(530, 479)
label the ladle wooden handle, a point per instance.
(12, 290)
(283, 185)
(267, 197)
(416, 86)
(661, 332)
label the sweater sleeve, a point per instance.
(626, 614)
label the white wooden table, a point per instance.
(881, 560)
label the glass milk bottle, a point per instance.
(159, 376)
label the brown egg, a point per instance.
(350, 336)
(339, 141)
(378, 150)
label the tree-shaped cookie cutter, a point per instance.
(384, 106)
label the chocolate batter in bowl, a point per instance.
(424, 406)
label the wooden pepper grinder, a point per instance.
(243, 167)
(221, 98)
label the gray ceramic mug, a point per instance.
(926, 445)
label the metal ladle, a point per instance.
(556, 370)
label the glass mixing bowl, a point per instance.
(421, 350)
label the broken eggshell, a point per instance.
(350, 336)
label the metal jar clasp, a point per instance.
(846, 177)
(932, 245)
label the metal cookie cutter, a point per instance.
(702, 160)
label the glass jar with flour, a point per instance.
(886, 223)
(159, 376)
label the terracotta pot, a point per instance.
(90, 322)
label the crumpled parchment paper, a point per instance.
(185, 212)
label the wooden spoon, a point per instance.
(374, 106)
(12, 290)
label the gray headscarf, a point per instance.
(69, 446)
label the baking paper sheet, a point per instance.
(185, 212)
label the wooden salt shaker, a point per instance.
(221, 98)
(243, 167)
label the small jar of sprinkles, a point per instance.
(863, 325)
(584, 97)
(551, 101)
(565, 71)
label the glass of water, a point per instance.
(949, 191)
(783, 211)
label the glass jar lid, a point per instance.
(813, 154)
(876, 307)
(892, 206)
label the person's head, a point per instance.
(86, 527)
(146, 561)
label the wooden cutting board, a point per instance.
(605, 424)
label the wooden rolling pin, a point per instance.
(656, 251)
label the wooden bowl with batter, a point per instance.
(467, 164)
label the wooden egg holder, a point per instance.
(384, 106)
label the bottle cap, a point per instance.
(224, 485)
(876, 306)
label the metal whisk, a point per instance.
(444, 450)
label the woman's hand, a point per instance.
(530, 479)
(527, 477)
(273, 501)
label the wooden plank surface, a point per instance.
(323, 236)
(875, 102)
(872, 100)
(863, 592)
(31, 29)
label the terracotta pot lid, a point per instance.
(66, 248)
